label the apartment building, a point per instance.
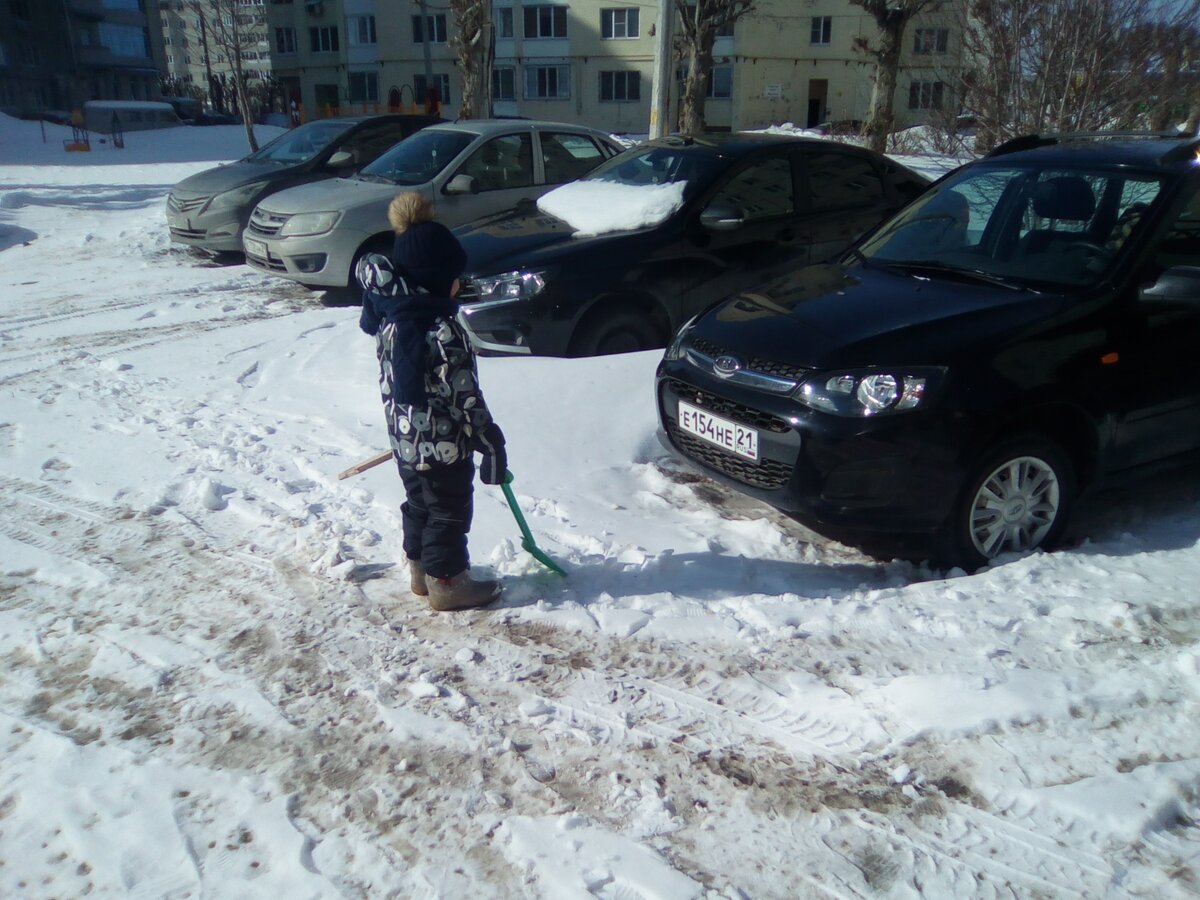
(194, 55)
(592, 61)
(56, 54)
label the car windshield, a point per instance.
(419, 158)
(1029, 227)
(300, 144)
(658, 165)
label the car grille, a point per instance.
(745, 414)
(754, 363)
(192, 234)
(271, 265)
(185, 206)
(767, 474)
(266, 223)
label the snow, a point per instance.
(601, 207)
(214, 682)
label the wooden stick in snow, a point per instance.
(359, 468)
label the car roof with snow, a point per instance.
(739, 143)
(1165, 152)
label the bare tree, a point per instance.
(702, 20)
(1077, 65)
(473, 44)
(231, 29)
(891, 18)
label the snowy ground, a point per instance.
(213, 682)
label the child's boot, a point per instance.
(461, 592)
(416, 578)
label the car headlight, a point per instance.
(238, 196)
(675, 348)
(869, 392)
(309, 223)
(496, 289)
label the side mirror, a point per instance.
(341, 159)
(462, 184)
(722, 218)
(1178, 284)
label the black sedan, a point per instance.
(1026, 328)
(662, 231)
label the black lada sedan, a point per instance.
(656, 234)
(1027, 328)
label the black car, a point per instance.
(209, 210)
(1025, 329)
(700, 217)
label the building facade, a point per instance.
(592, 61)
(197, 58)
(56, 54)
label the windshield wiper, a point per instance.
(371, 176)
(980, 275)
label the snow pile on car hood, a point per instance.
(598, 207)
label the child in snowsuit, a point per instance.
(436, 415)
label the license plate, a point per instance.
(258, 248)
(723, 433)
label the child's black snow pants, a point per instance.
(437, 516)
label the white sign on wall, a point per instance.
(774, 92)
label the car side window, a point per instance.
(501, 163)
(566, 157)
(761, 190)
(368, 144)
(1180, 245)
(841, 181)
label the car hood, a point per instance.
(833, 316)
(327, 195)
(226, 178)
(525, 238)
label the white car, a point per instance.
(315, 233)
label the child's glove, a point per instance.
(493, 465)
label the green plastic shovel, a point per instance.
(526, 538)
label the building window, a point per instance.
(547, 82)
(364, 87)
(720, 83)
(170, 60)
(822, 30)
(930, 40)
(125, 40)
(323, 39)
(926, 94)
(504, 83)
(361, 30)
(618, 23)
(285, 40)
(441, 82)
(545, 21)
(435, 27)
(620, 86)
(504, 22)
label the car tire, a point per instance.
(1017, 499)
(622, 332)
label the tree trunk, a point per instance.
(695, 86)
(881, 118)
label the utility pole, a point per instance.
(426, 27)
(660, 101)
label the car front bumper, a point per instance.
(897, 474)
(518, 327)
(320, 260)
(218, 230)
